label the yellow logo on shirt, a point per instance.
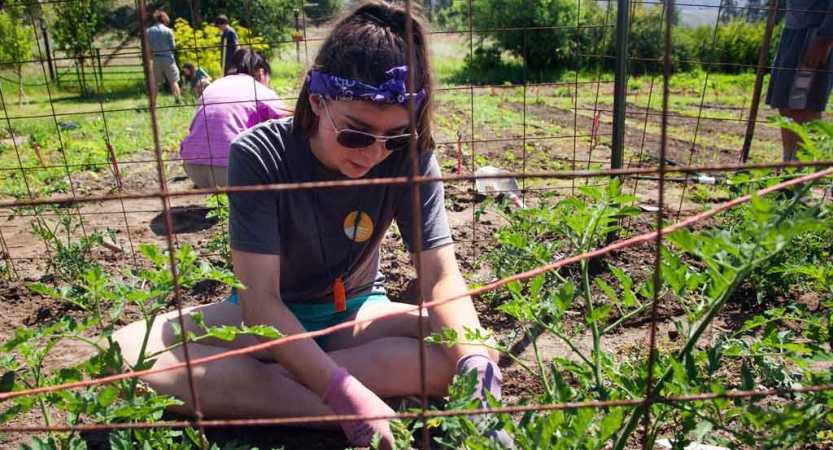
(362, 231)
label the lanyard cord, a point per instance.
(321, 237)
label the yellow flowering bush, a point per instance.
(201, 47)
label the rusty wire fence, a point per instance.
(570, 135)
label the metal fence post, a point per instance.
(620, 91)
(620, 86)
(45, 34)
(100, 69)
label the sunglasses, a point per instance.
(359, 139)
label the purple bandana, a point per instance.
(392, 91)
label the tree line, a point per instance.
(579, 35)
(75, 25)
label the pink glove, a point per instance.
(488, 380)
(346, 395)
(488, 376)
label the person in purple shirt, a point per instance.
(228, 107)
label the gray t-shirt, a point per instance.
(161, 41)
(803, 14)
(287, 223)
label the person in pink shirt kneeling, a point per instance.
(228, 107)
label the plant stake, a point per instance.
(459, 152)
(115, 163)
(37, 151)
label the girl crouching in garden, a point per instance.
(310, 259)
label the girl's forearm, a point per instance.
(304, 359)
(440, 277)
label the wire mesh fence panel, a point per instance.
(641, 246)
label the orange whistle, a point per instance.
(339, 296)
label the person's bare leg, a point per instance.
(232, 387)
(374, 327)
(789, 140)
(375, 335)
(175, 90)
(240, 386)
(390, 367)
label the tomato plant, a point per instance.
(104, 299)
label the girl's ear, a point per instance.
(315, 104)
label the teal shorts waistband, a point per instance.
(317, 316)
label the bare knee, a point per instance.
(391, 367)
(133, 337)
(800, 115)
(130, 338)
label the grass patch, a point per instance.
(76, 137)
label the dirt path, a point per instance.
(636, 139)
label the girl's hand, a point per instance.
(346, 395)
(488, 379)
(488, 376)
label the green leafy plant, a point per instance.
(219, 242)
(273, 19)
(201, 47)
(16, 42)
(104, 299)
(74, 29)
(71, 250)
(725, 258)
(540, 235)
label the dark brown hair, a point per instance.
(221, 20)
(191, 71)
(161, 16)
(247, 61)
(364, 44)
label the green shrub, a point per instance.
(271, 19)
(559, 34)
(546, 47)
(202, 47)
(16, 42)
(736, 44)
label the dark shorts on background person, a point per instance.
(790, 52)
(317, 316)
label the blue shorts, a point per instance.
(317, 316)
(790, 51)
